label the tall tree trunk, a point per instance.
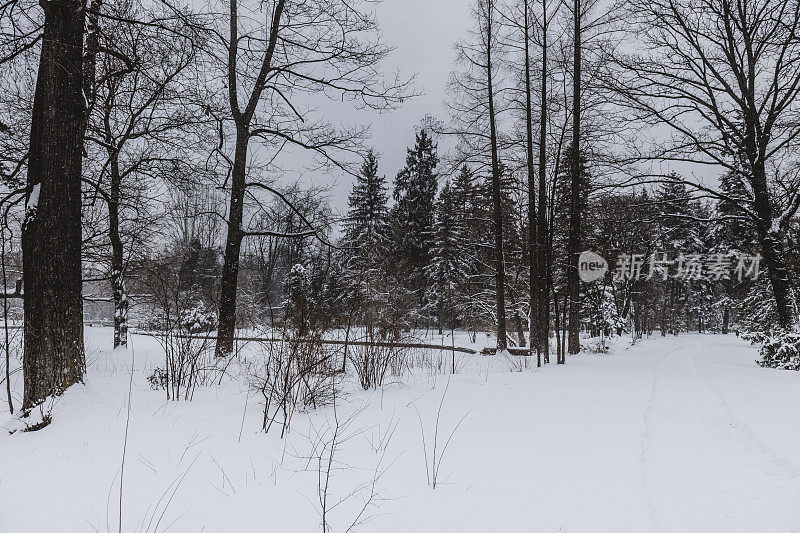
(726, 320)
(242, 118)
(574, 343)
(557, 326)
(517, 320)
(5, 318)
(778, 272)
(117, 259)
(233, 245)
(542, 241)
(90, 55)
(771, 243)
(534, 253)
(500, 275)
(51, 234)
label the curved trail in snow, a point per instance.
(700, 467)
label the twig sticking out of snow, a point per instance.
(433, 466)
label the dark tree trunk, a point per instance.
(770, 239)
(534, 253)
(517, 320)
(778, 272)
(557, 326)
(117, 259)
(233, 245)
(564, 333)
(500, 273)
(242, 118)
(574, 343)
(726, 320)
(542, 240)
(90, 56)
(51, 234)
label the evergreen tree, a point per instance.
(734, 233)
(366, 241)
(413, 214)
(564, 250)
(687, 304)
(367, 222)
(449, 268)
(471, 218)
(298, 288)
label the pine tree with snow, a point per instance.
(449, 269)
(297, 298)
(367, 222)
(366, 241)
(471, 219)
(413, 213)
(474, 207)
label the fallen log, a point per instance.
(512, 351)
(335, 342)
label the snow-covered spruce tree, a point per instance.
(562, 206)
(473, 223)
(780, 350)
(513, 218)
(367, 222)
(604, 318)
(413, 213)
(475, 200)
(733, 234)
(682, 224)
(298, 288)
(449, 269)
(366, 242)
(756, 315)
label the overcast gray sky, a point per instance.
(422, 33)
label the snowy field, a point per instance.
(682, 434)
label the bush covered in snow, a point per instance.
(779, 350)
(159, 379)
(198, 320)
(756, 312)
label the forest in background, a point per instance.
(143, 144)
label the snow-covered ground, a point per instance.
(682, 434)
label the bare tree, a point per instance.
(489, 13)
(575, 205)
(474, 112)
(139, 133)
(542, 250)
(328, 47)
(533, 25)
(724, 77)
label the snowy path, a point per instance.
(699, 462)
(674, 435)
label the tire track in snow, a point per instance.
(747, 432)
(701, 471)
